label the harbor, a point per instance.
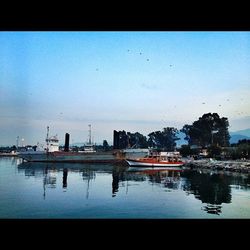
(125, 125)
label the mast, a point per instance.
(17, 142)
(89, 134)
(47, 139)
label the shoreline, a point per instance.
(8, 154)
(241, 166)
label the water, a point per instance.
(40, 190)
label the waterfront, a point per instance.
(96, 191)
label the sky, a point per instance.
(132, 81)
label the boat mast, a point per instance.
(47, 139)
(89, 134)
(17, 142)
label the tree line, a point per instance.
(209, 130)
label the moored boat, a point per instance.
(52, 154)
(158, 159)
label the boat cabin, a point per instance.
(52, 144)
(165, 156)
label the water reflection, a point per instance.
(88, 175)
(65, 175)
(118, 176)
(213, 189)
(49, 179)
(165, 177)
(212, 209)
(49, 171)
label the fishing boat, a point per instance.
(158, 159)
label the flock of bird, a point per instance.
(171, 65)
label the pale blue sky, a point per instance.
(133, 81)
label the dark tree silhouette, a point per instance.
(164, 139)
(208, 130)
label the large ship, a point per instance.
(51, 153)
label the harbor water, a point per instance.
(108, 191)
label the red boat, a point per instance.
(158, 159)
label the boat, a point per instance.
(158, 159)
(88, 147)
(52, 153)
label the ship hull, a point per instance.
(153, 164)
(70, 157)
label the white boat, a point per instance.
(158, 159)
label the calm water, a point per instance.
(41, 190)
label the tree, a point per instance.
(137, 140)
(164, 139)
(185, 150)
(208, 130)
(214, 151)
(105, 145)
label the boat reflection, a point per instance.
(49, 180)
(168, 177)
(38, 167)
(65, 175)
(49, 171)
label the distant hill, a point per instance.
(245, 132)
(239, 135)
(235, 137)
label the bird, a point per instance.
(96, 69)
(147, 59)
(140, 53)
(203, 103)
(170, 65)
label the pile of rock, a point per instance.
(242, 166)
